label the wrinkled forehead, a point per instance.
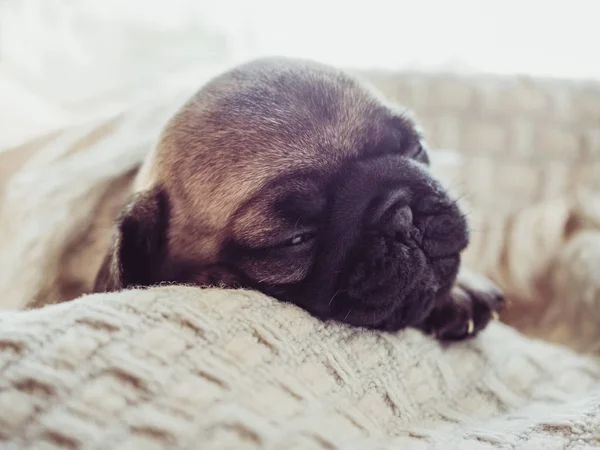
(248, 127)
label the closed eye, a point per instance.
(299, 239)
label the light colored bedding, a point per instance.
(180, 367)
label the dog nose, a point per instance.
(392, 215)
(397, 222)
(385, 204)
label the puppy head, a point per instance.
(293, 178)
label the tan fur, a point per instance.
(205, 193)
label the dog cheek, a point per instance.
(378, 273)
(386, 262)
(275, 271)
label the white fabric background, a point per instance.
(63, 61)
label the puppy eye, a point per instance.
(299, 239)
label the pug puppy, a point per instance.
(293, 178)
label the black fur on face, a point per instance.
(387, 249)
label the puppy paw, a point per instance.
(469, 307)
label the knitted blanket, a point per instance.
(181, 367)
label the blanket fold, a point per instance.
(181, 367)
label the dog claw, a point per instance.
(471, 327)
(495, 315)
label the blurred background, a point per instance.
(64, 61)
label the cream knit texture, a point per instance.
(182, 367)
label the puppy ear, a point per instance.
(139, 245)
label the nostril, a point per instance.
(398, 223)
(402, 219)
(384, 203)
